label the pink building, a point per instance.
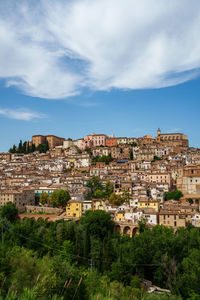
(93, 140)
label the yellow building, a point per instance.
(146, 203)
(74, 209)
(120, 216)
(98, 204)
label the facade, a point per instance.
(111, 142)
(146, 203)
(67, 144)
(122, 140)
(74, 209)
(98, 204)
(188, 180)
(120, 216)
(172, 219)
(5, 156)
(159, 178)
(38, 139)
(196, 220)
(86, 205)
(96, 139)
(52, 140)
(177, 139)
(19, 198)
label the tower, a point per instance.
(158, 132)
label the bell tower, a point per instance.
(158, 132)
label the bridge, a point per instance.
(45, 217)
(37, 217)
(129, 228)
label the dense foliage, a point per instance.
(59, 198)
(105, 158)
(88, 260)
(175, 195)
(97, 189)
(25, 147)
(155, 158)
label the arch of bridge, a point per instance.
(126, 228)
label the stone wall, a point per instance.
(43, 209)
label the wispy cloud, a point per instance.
(21, 114)
(88, 104)
(53, 49)
(176, 129)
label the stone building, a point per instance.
(176, 139)
(52, 140)
(20, 198)
(188, 180)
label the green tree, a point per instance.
(41, 148)
(67, 251)
(131, 155)
(190, 201)
(44, 198)
(28, 148)
(108, 188)
(115, 199)
(88, 150)
(98, 223)
(59, 198)
(189, 274)
(24, 147)
(33, 148)
(156, 158)
(13, 149)
(126, 196)
(99, 194)
(94, 184)
(133, 144)
(175, 195)
(9, 211)
(142, 224)
(20, 147)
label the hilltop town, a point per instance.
(152, 179)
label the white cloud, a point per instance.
(21, 114)
(54, 49)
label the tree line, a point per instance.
(26, 148)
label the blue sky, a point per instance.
(65, 71)
(124, 113)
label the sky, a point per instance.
(70, 68)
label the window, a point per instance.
(174, 223)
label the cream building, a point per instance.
(19, 198)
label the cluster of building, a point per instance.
(145, 168)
